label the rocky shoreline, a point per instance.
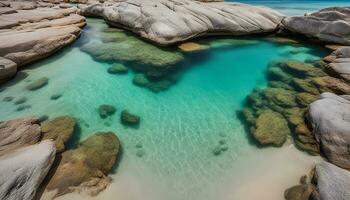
(307, 102)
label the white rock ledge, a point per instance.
(168, 21)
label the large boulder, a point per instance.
(85, 168)
(332, 182)
(7, 69)
(18, 133)
(23, 170)
(331, 25)
(330, 120)
(60, 130)
(167, 22)
(341, 62)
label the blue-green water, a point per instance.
(296, 7)
(179, 127)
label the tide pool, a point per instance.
(180, 127)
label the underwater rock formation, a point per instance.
(18, 133)
(106, 110)
(37, 84)
(118, 69)
(60, 130)
(23, 170)
(331, 25)
(85, 168)
(129, 119)
(340, 62)
(167, 22)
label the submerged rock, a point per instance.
(23, 107)
(330, 120)
(8, 69)
(340, 63)
(85, 168)
(302, 70)
(118, 69)
(168, 22)
(60, 130)
(23, 170)
(192, 47)
(129, 119)
(271, 128)
(106, 110)
(7, 99)
(18, 133)
(140, 80)
(55, 96)
(329, 25)
(20, 101)
(37, 84)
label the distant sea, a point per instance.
(296, 7)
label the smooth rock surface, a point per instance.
(330, 119)
(340, 63)
(23, 170)
(332, 182)
(166, 21)
(331, 25)
(7, 69)
(18, 133)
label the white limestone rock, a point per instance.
(331, 25)
(167, 21)
(330, 120)
(23, 170)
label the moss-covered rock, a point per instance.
(302, 70)
(271, 128)
(280, 97)
(299, 192)
(60, 130)
(294, 115)
(304, 99)
(20, 101)
(305, 85)
(118, 68)
(85, 168)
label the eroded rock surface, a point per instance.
(29, 31)
(18, 133)
(166, 22)
(340, 62)
(23, 170)
(330, 119)
(330, 25)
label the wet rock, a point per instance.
(340, 60)
(331, 84)
(299, 192)
(43, 118)
(248, 115)
(118, 69)
(129, 119)
(60, 130)
(330, 25)
(276, 73)
(18, 133)
(280, 84)
(304, 99)
(37, 84)
(280, 97)
(7, 99)
(23, 107)
(140, 80)
(170, 22)
(106, 110)
(55, 96)
(20, 101)
(85, 168)
(192, 47)
(23, 170)
(332, 181)
(294, 115)
(271, 128)
(305, 85)
(330, 121)
(8, 69)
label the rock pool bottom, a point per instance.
(179, 128)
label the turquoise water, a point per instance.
(179, 128)
(296, 7)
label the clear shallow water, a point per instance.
(296, 7)
(179, 127)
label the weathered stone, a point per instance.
(271, 128)
(304, 99)
(340, 61)
(299, 192)
(18, 133)
(330, 25)
(166, 22)
(305, 85)
(302, 70)
(60, 130)
(8, 69)
(23, 170)
(330, 120)
(332, 182)
(192, 47)
(85, 168)
(280, 97)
